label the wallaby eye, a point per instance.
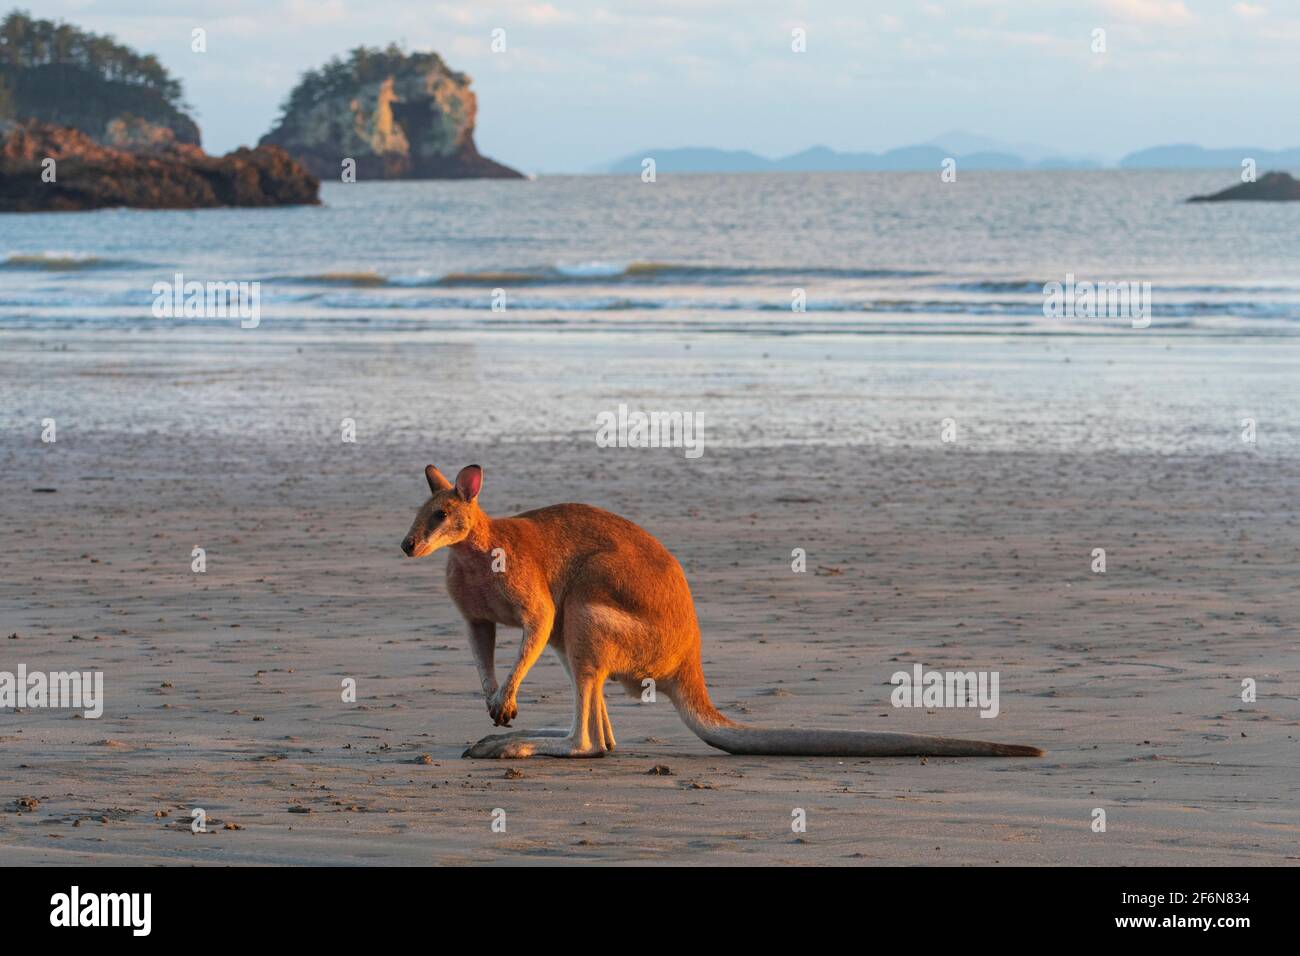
(439, 516)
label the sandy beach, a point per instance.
(223, 687)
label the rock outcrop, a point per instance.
(167, 175)
(58, 74)
(1271, 187)
(396, 115)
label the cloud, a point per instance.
(545, 13)
(1150, 11)
(1249, 10)
(316, 11)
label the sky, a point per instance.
(582, 83)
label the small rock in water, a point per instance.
(1271, 187)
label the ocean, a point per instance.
(871, 253)
(784, 309)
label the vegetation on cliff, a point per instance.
(56, 73)
(364, 65)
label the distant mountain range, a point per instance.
(1188, 156)
(825, 159)
(970, 151)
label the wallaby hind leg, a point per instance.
(607, 729)
(591, 735)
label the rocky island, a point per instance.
(44, 167)
(1271, 187)
(395, 115)
(86, 123)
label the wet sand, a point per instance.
(224, 688)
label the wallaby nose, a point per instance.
(408, 546)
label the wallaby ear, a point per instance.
(469, 481)
(436, 479)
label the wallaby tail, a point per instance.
(692, 700)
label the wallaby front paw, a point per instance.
(502, 708)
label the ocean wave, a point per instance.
(63, 262)
(669, 272)
(365, 297)
(979, 307)
(1035, 287)
(994, 286)
(601, 272)
(336, 278)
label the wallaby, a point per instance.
(614, 604)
